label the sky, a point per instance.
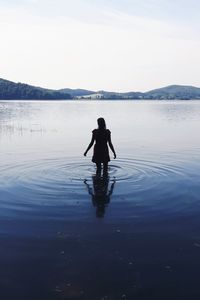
(115, 45)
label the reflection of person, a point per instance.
(100, 194)
(102, 138)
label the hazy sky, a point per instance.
(120, 45)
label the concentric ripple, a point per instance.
(59, 179)
(143, 175)
(47, 178)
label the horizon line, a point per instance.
(100, 90)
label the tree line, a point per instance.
(19, 91)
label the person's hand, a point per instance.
(115, 155)
(85, 154)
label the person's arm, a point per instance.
(111, 145)
(90, 145)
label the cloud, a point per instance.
(59, 48)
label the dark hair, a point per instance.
(101, 123)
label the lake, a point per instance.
(69, 234)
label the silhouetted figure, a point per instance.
(102, 138)
(100, 194)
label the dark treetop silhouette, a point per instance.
(102, 138)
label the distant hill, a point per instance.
(174, 92)
(110, 95)
(19, 91)
(77, 92)
(128, 95)
(180, 92)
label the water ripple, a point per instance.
(143, 175)
(58, 178)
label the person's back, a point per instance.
(101, 136)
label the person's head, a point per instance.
(101, 123)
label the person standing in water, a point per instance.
(102, 138)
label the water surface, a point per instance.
(69, 234)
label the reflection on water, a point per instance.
(177, 111)
(101, 192)
(147, 243)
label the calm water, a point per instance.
(67, 234)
